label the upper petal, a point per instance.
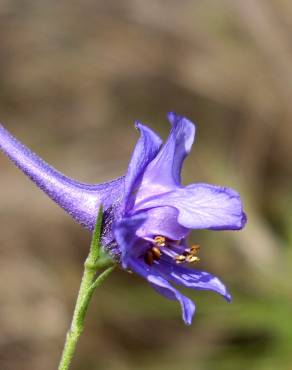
(190, 278)
(145, 150)
(176, 148)
(163, 173)
(202, 206)
(163, 287)
(80, 200)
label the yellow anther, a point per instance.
(180, 258)
(192, 259)
(194, 249)
(160, 241)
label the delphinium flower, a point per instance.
(148, 214)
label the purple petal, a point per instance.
(80, 200)
(145, 150)
(162, 221)
(163, 173)
(125, 234)
(190, 278)
(163, 287)
(202, 206)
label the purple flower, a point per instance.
(148, 214)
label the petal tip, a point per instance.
(186, 128)
(228, 297)
(188, 313)
(137, 125)
(174, 118)
(241, 222)
(243, 219)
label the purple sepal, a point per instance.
(80, 200)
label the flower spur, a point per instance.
(148, 214)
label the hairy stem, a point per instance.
(88, 285)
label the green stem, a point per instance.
(87, 287)
(96, 259)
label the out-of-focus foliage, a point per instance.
(74, 76)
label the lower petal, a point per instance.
(190, 278)
(163, 287)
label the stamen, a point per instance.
(192, 259)
(149, 258)
(153, 254)
(160, 241)
(161, 245)
(156, 252)
(180, 258)
(194, 249)
(189, 255)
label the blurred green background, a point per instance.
(74, 75)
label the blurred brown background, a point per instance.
(74, 75)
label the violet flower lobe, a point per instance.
(148, 214)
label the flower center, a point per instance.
(160, 245)
(189, 255)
